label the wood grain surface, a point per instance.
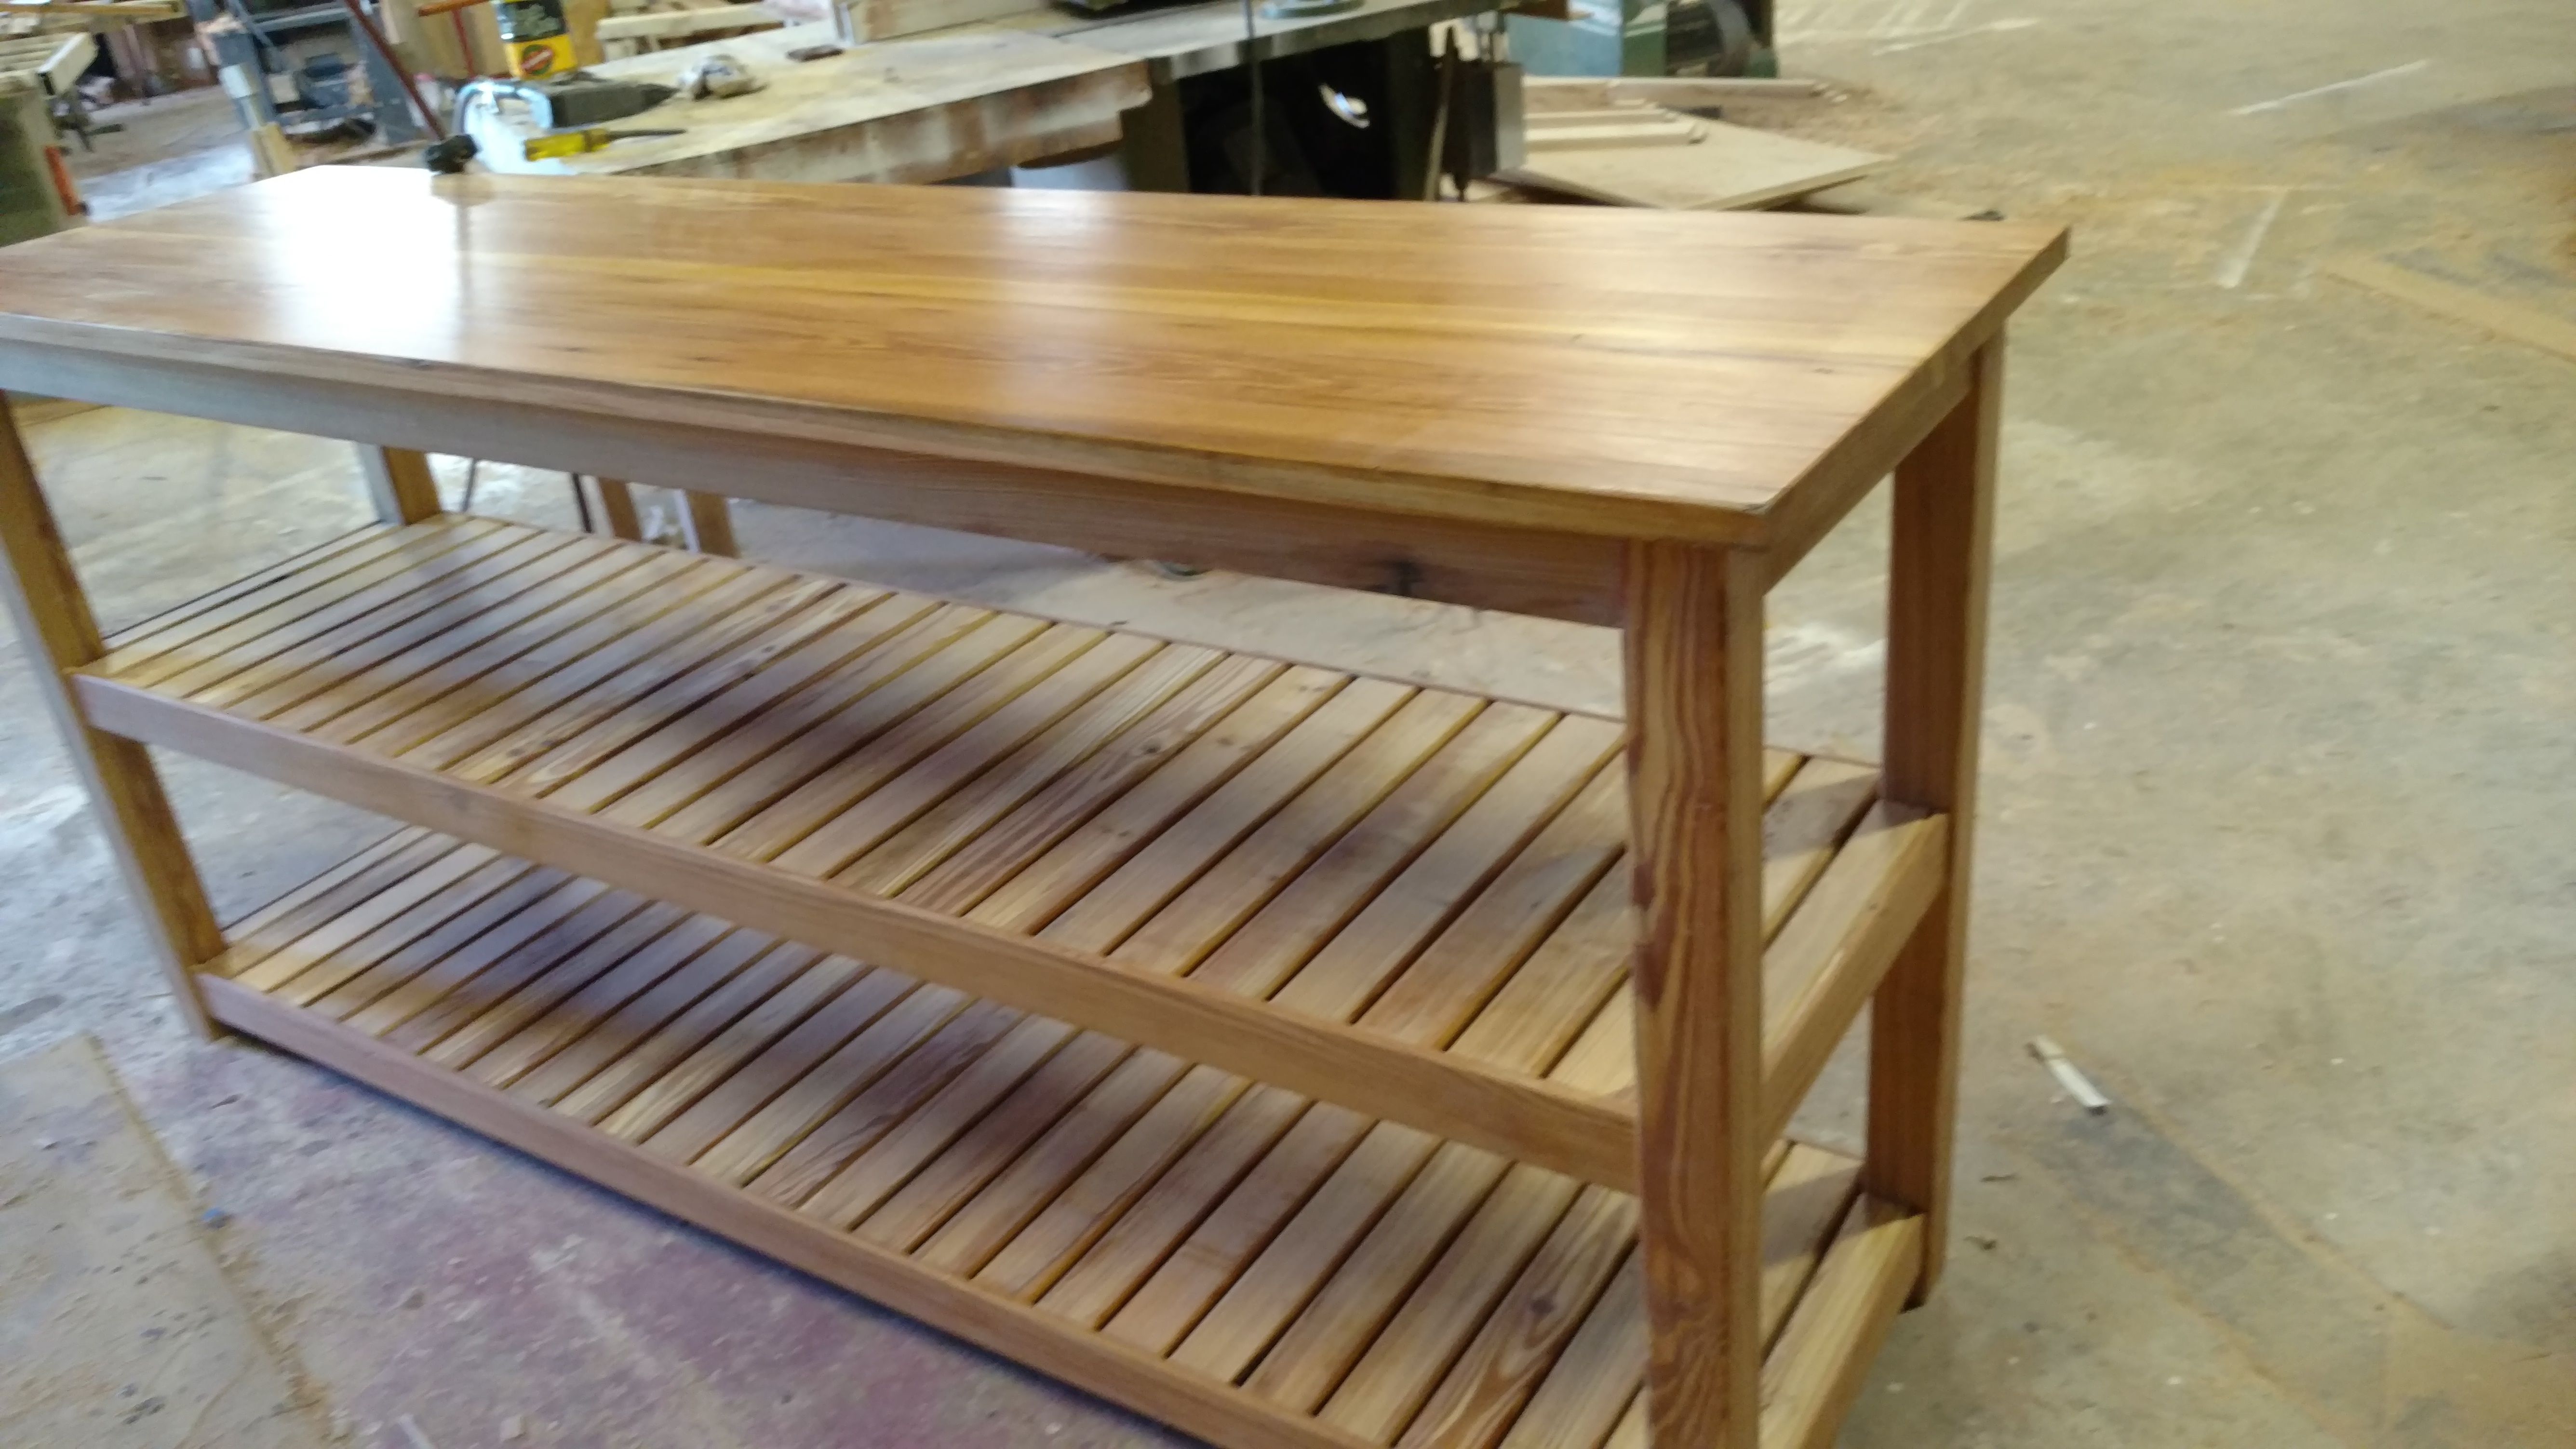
(1593, 372)
(1474, 1301)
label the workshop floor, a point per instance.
(2276, 837)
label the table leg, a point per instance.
(400, 483)
(710, 523)
(60, 635)
(1936, 651)
(1694, 685)
(617, 507)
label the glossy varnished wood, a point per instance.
(1252, 1042)
(1557, 369)
(1694, 676)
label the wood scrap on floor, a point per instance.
(1868, 198)
(1680, 93)
(1611, 129)
(1675, 163)
(2506, 318)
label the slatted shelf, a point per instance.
(1247, 1264)
(1408, 902)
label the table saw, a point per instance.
(1149, 91)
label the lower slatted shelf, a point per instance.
(1410, 901)
(1238, 1261)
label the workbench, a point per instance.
(940, 104)
(1300, 1057)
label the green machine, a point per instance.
(1648, 37)
(31, 190)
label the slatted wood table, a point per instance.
(1303, 1058)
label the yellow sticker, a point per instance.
(541, 57)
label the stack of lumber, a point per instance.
(55, 60)
(632, 30)
(1601, 140)
(28, 17)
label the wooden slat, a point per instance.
(384, 996)
(271, 591)
(1184, 929)
(861, 826)
(1089, 867)
(1420, 1285)
(460, 1025)
(1223, 1348)
(391, 716)
(652, 711)
(747, 689)
(459, 601)
(1180, 782)
(1497, 931)
(696, 1049)
(580, 572)
(556, 675)
(1477, 1403)
(387, 904)
(218, 632)
(1336, 983)
(824, 774)
(296, 564)
(1324, 891)
(728, 1105)
(326, 895)
(799, 738)
(501, 889)
(606, 780)
(620, 682)
(617, 508)
(905, 861)
(289, 644)
(621, 988)
(1022, 805)
(1598, 1376)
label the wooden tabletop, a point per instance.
(1597, 371)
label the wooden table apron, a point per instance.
(1713, 1087)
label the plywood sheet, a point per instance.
(1732, 168)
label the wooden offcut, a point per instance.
(1728, 168)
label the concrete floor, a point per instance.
(2275, 837)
